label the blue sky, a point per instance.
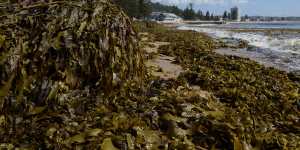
(250, 7)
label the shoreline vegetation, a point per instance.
(134, 85)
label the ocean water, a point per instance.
(264, 25)
(274, 48)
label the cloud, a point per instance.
(212, 2)
(240, 1)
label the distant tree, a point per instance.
(131, 7)
(192, 11)
(207, 16)
(189, 12)
(199, 15)
(135, 8)
(217, 18)
(244, 18)
(212, 17)
(144, 9)
(229, 16)
(176, 10)
(191, 5)
(164, 8)
(186, 14)
(225, 15)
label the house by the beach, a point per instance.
(165, 17)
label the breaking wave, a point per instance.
(278, 50)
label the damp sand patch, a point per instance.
(161, 65)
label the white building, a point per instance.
(165, 17)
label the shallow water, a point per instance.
(264, 25)
(276, 49)
(266, 57)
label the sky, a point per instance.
(281, 8)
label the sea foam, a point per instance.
(279, 50)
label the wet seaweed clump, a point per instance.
(57, 59)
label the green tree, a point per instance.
(207, 16)
(217, 18)
(135, 8)
(229, 16)
(176, 10)
(157, 7)
(199, 15)
(212, 17)
(143, 9)
(129, 6)
(189, 12)
(225, 15)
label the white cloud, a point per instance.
(178, 2)
(240, 1)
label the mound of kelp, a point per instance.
(68, 46)
(259, 106)
(56, 57)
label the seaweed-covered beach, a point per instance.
(242, 89)
(85, 76)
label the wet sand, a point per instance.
(161, 65)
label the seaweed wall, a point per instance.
(52, 52)
(60, 46)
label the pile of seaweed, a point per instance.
(72, 77)
(260, 106)
(58, 59)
